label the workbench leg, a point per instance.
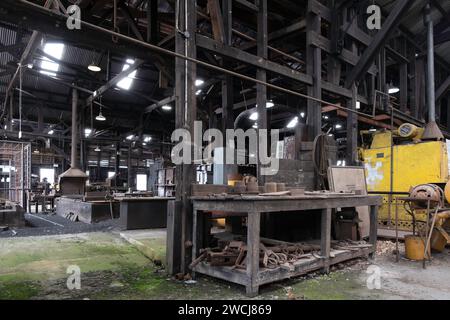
(37, 206)
(325, 239)
(253, 239)
(373, 230)
(196, 230)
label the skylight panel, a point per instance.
(126, 83)
(56, 51)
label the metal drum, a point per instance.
(427, 192)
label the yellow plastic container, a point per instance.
(414, 248)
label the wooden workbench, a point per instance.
(253, 277)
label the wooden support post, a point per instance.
(314, 69)
(261, 90)
(419, 88)
(325, 239)
(403, 80)
(253, 239)
(117, 166)
(185, 116)
(173, 244)
(130, 169)
(352, 130)
(373, 229)
(197, 234)
(216, 20)
(352, 119)
(227, 87)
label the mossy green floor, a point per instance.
(111, 268)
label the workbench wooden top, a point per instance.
(255, 203)
(142, 199)
(244, 197)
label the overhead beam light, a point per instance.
(97, 149)
(87, 132)
(270, 104)
(51, 131)
(130, 137)
(166, 107)
(302, 114)
(147, 139)
(292, 123)
(199, 82)
(198, 92)
(94, 67)
(338, 126)
(393, 90)
(254, 116)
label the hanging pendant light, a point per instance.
(100, 116)
(97, 149)
(94, 66)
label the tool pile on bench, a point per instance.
(273, 253)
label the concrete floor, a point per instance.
(127, 265)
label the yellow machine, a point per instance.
(414, 162)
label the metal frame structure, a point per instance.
(17, 155)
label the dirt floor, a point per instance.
(113, 268)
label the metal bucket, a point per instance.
(414, 247)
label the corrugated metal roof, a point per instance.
(7, 37)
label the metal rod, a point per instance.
(429, 235)
(426, 233)
(430, 57)
(396, 231)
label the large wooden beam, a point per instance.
(114, 81)
(254, 60)
(392, 21)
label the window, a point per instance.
(47, 173)
(141, 182)
(56, 51)
(128, 81)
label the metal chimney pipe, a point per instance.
(430, 56)
(74, 150)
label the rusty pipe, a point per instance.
(74, 149)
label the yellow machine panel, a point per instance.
(414, 163)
